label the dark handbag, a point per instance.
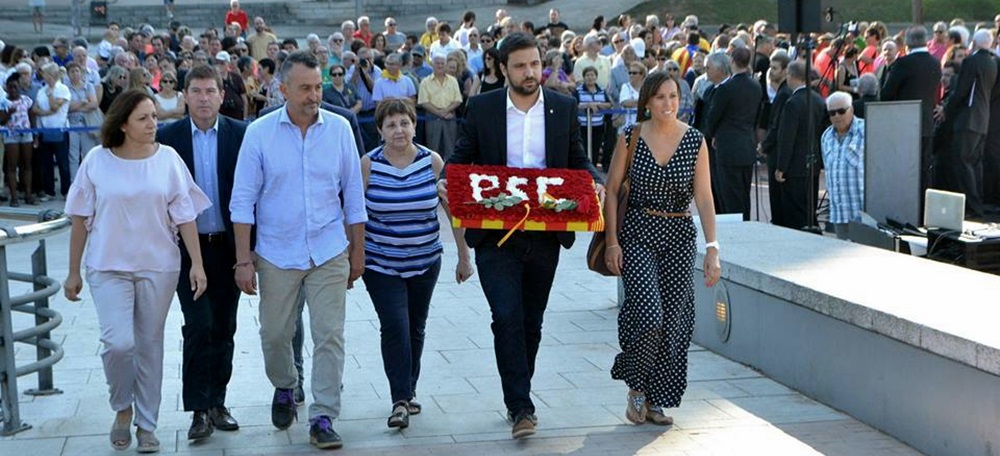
(599, 243)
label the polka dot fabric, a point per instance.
(657, 318)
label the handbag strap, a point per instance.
(632, 142)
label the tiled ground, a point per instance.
(728, 409)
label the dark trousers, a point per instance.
(402, 306)
(596, 144)
(795, 211)
(927, 167)
(299, 338)
(774, 189)
(609, 140)
(516, 279)
(967, 171)
(209, 325)
(991, 168)
(48, 155)
(734, 189)
(371, 138)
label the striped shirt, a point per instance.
(401, 235)
(585, 96)
(844, 158)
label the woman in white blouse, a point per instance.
(629, 94)
(170, 100)
(130, 199)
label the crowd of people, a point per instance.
(297, 172)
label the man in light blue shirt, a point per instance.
(298, 179)
(843, 146)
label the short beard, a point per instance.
(522, 91)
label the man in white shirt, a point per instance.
(298, 180)
(444, 43)
(51, 111)
(530, 127)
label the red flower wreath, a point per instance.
(577, 186)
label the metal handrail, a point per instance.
(35, 303)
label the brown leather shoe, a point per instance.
(524, 426)
(222, 419)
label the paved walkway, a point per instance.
(728, 409)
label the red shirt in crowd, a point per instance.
(239, 17)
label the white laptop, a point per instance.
(944, 210)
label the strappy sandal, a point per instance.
(121, 434)
(414, 407)
(655, 415)
(400, 417)
(146, 441)
(636, 409)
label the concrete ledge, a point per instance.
(906, 345)
(947, 310)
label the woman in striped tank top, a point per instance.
(403, 248)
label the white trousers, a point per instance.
(132, 310)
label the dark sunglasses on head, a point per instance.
(837, 112)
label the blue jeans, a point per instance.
(516, 279)
(402, 306)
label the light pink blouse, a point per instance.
(133, 208)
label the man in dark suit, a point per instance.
(539, 130)
(991, 153)
(969, 106)
(917, 76)
(797, 140)
(209, 144)
(732, 117)
(769, 147)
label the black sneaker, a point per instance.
(300, 395)
(283, 411)
(322, 435)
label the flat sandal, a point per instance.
(636, 408)
(655, 415)
(121, 434)
(146, 441)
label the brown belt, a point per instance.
(667, 214)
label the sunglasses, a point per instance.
(391, 24)
(168, 81)
(337, 75)
(837, 112)
(635, 73)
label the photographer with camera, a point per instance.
(362, 77)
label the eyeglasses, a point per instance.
(635, 73)
(337, 75)
(837, 112)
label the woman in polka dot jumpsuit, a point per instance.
(655, 252)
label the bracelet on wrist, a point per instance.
(615, 246)
(242, 264)
(713, 244)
